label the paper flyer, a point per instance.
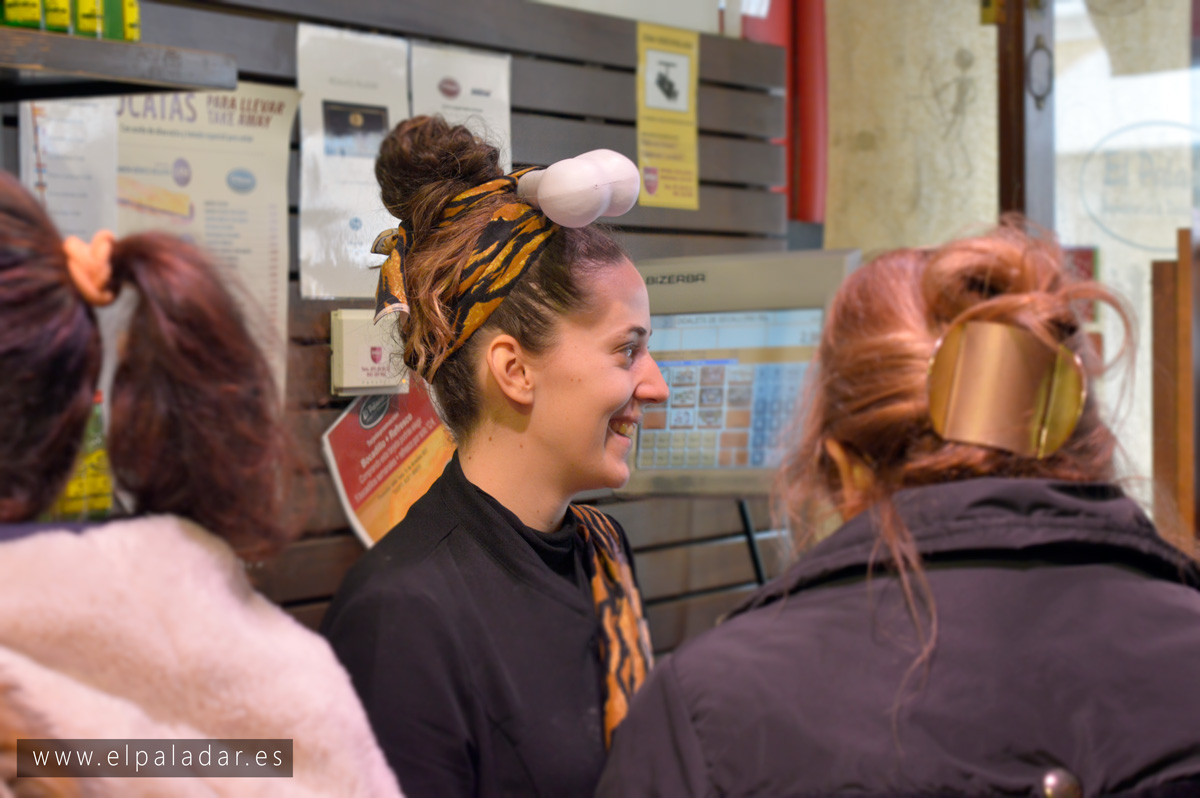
(384, 452)
(354, 90)
(467, 88)
(68, 160)
(212, 167)
(667, 129)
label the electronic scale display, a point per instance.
(733, 336)
(735, 378)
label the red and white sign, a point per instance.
(650, 175)
(384, 452)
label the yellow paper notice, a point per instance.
(991, 12)
(668, 146)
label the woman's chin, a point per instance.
(618, 475)
(620, 481)
(614, 476)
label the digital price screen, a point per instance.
(735, 380)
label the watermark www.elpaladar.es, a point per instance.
(154, 758)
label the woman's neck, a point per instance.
(502, 465)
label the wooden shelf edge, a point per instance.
(38, 64)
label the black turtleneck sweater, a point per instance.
(473, 643)
(561, 550)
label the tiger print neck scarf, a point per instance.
(625, 653)
(514, 238)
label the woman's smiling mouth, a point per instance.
(624, 428)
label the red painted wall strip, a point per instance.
(810, 109)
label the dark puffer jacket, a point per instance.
(1068, 649)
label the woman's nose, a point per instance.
(652, 388)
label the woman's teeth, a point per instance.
(625, 428)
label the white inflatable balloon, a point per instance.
(623, 177)
(577, 191)
(527, 186)
(574, 192)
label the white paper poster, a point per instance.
(212, 167)
(467, 87)
(68, 161)
(355, 89)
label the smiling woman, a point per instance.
(593, 384)
(496, 634)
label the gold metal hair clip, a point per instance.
(1001, 386)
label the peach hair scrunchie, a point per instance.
(90, 266)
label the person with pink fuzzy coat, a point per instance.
(146, 627)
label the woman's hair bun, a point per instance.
(996, 269)
(424, 162)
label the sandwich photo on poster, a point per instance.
(353, 131)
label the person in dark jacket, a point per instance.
(993, 617)
(496, 634)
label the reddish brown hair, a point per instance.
(195, 427)
(423, 164)
(869, 387)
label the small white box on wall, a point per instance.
(365, 357)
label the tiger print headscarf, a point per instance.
(512, 241)
(514, 238)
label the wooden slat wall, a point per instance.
(691, 557)
(573, 89)
(520, 27)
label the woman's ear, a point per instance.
(855, 477)
(508, 364)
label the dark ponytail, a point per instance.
(195, 426)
